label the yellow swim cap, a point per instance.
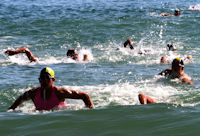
(49, 71)
(189, 56)
(178, 59)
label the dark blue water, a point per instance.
(113, 78)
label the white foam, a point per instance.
(194, 7)
(119, 94)
(87, 52)
(127, 94)
(22, 59)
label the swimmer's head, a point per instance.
(189, 57)
(70, 52)
(141, 98)
(85, 57)
(177, 12)
(164, 60)
(47, 72)
(177, 63)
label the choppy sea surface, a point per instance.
(115, 75)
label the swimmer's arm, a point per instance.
(30, 56)
(165, 72)
(187, 81)
(25, 50)
(166, 14)
(73, 94)
(131, 47)
(24, 97)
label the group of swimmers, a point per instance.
(48, 96)
(71, 53)
(175, 72)
(177, 63)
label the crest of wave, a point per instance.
(127, 94)
(118, 94)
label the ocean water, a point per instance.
(114, 76)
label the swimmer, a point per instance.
(177, 71)
(83, 55)
(164, 60)
(72, 53)
(144, 99)
(48, 96)
(177, 12)
(131, 45)
(188, 58)
(170, 47)
(29, 54)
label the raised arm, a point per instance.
(129, 43)
(24, 97)
(73, 94)
(25, 50)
